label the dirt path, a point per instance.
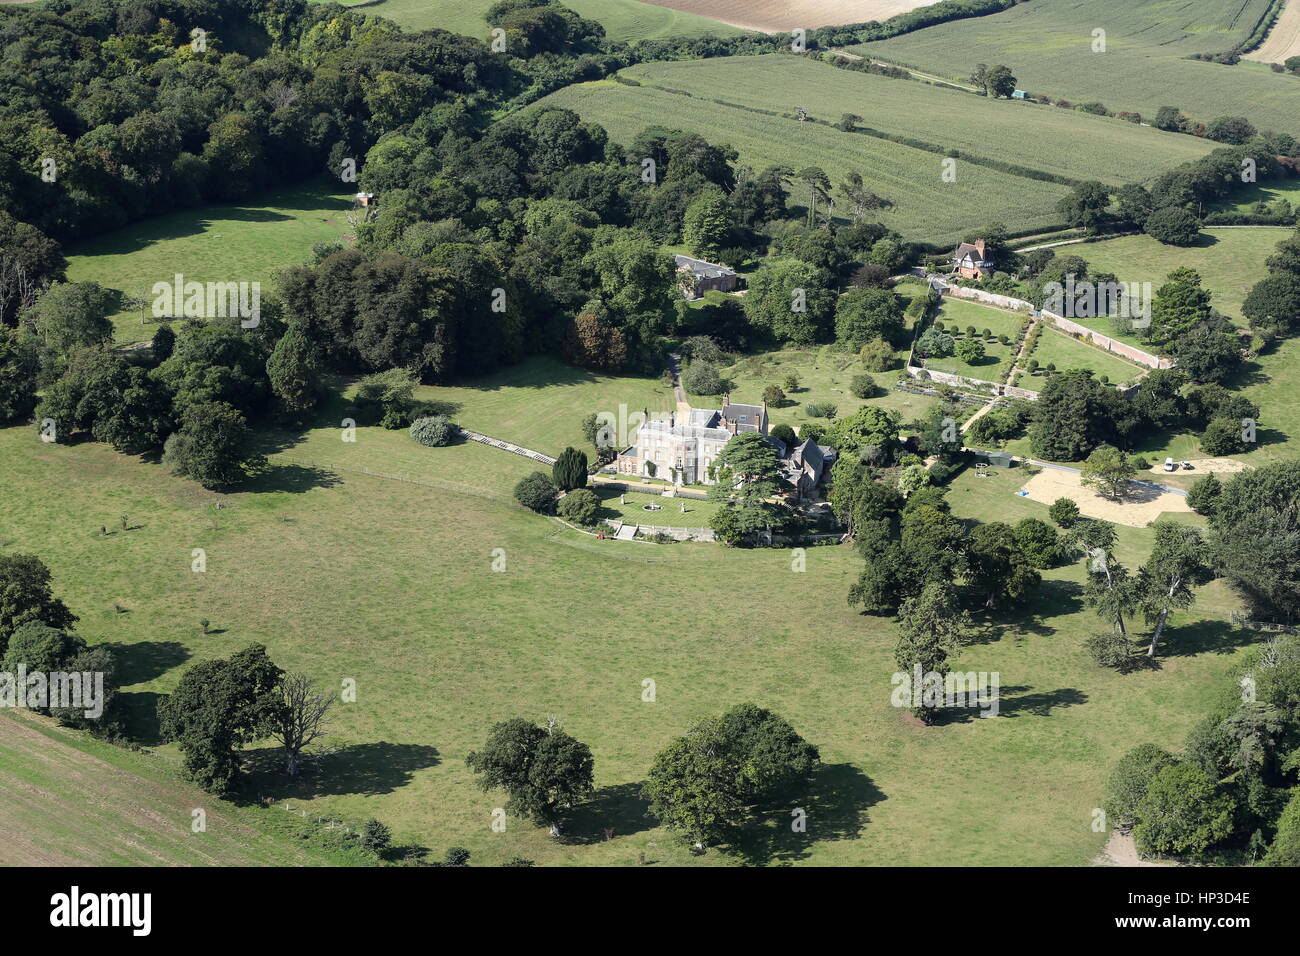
(1120, 850)
(1283, 40)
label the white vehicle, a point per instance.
(1169, 464)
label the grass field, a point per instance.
(1048, 44)
(1063, 351)
(236, 243)
(1283, 40)
(388, 582)
(67, 799)
(1230, 260)
(925, 208)
(824, 376)
(1245, 197)
(627, 20)
(773, 15)
(1060, 142)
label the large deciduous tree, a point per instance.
(544, 770)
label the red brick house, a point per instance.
(972, 260)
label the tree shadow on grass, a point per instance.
(835, 805)
(294, 479)
(1204, 637)
(1039, 705)
(138, 663)
(619, 809)
(367, 769)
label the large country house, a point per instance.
(972, 260)
(683, 452)
(697, 277)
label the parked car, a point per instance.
(1169, 464)
(1187, 466)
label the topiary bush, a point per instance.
(862, 386)
(433, 430)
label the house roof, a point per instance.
(702, 269)
(970, 249)
(746, 417)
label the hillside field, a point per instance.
(1048, 44)
(345, 575)
(233, 243)
(68, 799)
(627, 20)
(1060, 142)
(925, 208)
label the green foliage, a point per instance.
(543, 770)
(1173, 225)
(581, 506)
(433, 430)
(865, 314)
(1110, 471)
(375, 837)
(862, 386)
(217, 707)
(294, 372)
(1285, 849)
(792, 301)
(701, 378)
(706, 784)
(820, 409)
(1038, 541)
(536, 491)
(877, 355)
(1129, 780)
(1203, 494)
(931, 626)
(17, 378)
(213, 447)
(1064, 511)
(1183, 812)
(1255, 535)
(970, 351)
(570, 469)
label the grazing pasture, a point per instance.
(1230, 260)
(1059, 142)
(345, 575)
(1049, 45)
(230, 243)
(925, 207)
(770, 16)
(627, 20)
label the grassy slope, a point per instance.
(926, 209)
(622, 19)
(67, 799)
(1048, 45)
(1065, 143)
(389, 583)
(235, 243)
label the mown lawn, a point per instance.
(957, 315)
(232, 243)
(67, 799)
(1065, 353)
(390, 583)
(674, 512)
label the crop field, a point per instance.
(234, 243)
(346, 575)
(1283, 40)
(925, 208)
(1048, 44)
(627, 20)
(67, 799)
(1060, 142)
